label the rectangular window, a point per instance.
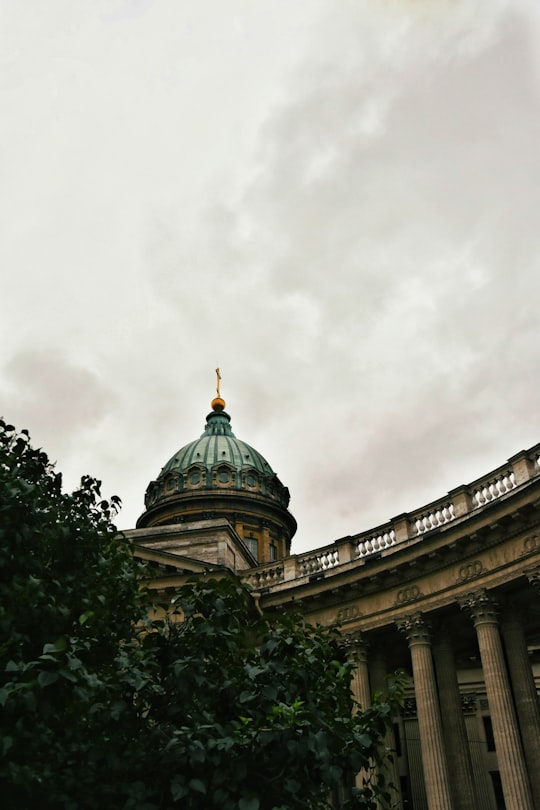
(272, 552)
(397, 738)
(488, 731)
(497, 790)
(252, 546)
(404, 786)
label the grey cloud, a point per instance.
(416, 244)
(54, 397)
(367, 277)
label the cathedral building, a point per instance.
(449, 592)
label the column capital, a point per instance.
(533, 575)
(481, 607)
(409, 707)
(415, 628)
(355, 646)
(469, 704)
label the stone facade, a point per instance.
(451, 594)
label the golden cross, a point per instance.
(218, 372)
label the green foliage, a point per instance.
(258, 709)
(215, 706)
(69, 599)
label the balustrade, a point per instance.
(434, 518)
(374, 543)
(264, 577)
(460, 503)
(491, 490)
(319, 561)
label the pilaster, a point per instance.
(461, 499)
(522, 467)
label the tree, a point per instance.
(258, 709)
(214, 706)
(69, 602)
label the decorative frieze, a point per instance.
(348, 613)
(408, 594)
(531, 544)
(470, 570)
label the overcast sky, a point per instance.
(337, 202)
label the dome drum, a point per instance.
(226, 501)
(220, 476)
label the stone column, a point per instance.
(378, 677)
(417, 785)
(514, 778)
(429, 716)
(482, 782)
(356, 650)
(455, 734)
(525, 697)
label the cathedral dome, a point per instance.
(218, 460)
(218, 475)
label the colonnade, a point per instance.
(449, 770)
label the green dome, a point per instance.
(220, 477)
(217, 444)
(215, 462)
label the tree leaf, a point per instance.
(47, 678)
(197, 786)
(249, 804)
(179, 789)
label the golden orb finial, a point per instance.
(218, 404)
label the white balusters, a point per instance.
(375, 543)
(406, 527)
(264, 577)
(491, 490)
(319, 561)
(437, 516)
